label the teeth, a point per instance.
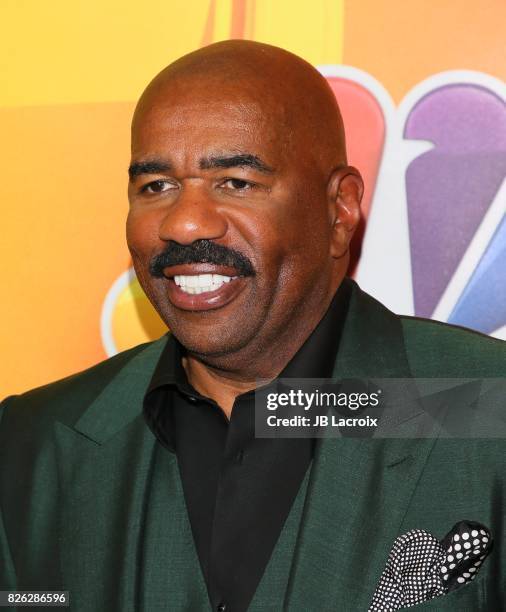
(200, 283)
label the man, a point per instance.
(139, 484)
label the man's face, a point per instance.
(222, 186)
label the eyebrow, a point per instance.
(238, 160)
(147, 167)
(241, 160)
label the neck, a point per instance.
(216, 384)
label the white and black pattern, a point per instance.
(419, 567)
(409, 577)
(466, 547)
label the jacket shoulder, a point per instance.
(67, 398)
(437, 349)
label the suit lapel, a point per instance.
(102, 491)
(121, 401)
(105, 462)
(359, 489)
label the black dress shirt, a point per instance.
(238, 489)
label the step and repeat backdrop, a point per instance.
(421, 87)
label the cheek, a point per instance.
(290, 234)
(142, 233)
(303, 233)
(143, 243)
(313, 229)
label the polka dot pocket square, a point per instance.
(420, 567)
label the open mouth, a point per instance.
(201, 283)
(199, 287)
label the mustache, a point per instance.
(200, 251)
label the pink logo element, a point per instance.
(365, 136)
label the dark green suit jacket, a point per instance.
(90, 502)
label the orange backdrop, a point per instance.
(72, 72)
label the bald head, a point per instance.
(284, 88)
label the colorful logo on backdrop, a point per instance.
(433, 238)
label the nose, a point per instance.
(193, 216)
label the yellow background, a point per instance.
(72, 71)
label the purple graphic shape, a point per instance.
(482, 305)
(450, 187)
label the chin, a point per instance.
(209, 340)
(211, 333)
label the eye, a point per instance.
(235, 184)
(158, 186)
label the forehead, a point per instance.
(178, 119)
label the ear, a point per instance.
(344, 191)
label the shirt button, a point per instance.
(192, 399)
(221, 608)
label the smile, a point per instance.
(201, 283)
(203, 286)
